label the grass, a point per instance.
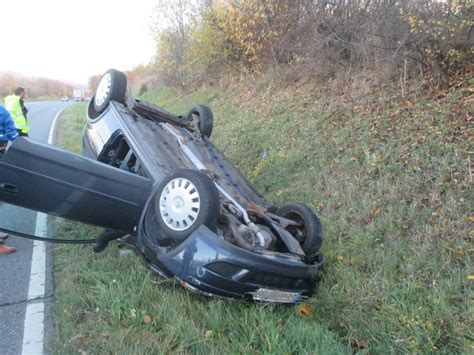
(389, 177)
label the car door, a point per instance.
(44, 178)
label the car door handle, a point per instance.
(10, 188)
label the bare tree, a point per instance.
(173, 21)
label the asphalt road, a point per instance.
(16, 268)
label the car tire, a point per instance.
(205, 116)
(112, 87)
(184, 201)
(311, 237)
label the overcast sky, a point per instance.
(74, 39)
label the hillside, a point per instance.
(389, 176)
(35, 87)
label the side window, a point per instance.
(117, 153)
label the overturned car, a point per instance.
(157, 178)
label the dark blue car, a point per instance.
(157, 178)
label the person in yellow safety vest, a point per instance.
(15, 106)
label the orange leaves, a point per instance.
(250, 27)
(305, 310)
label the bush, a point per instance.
(439, 37)
(314, 38)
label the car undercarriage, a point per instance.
(156, 178)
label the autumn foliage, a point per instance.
(314, 39)
(35, 87)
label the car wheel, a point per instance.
(112, 86)
(184, 201)
(310, 235)
(205, 118)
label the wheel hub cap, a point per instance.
(179, 204)
(103, 89)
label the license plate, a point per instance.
(268, 295)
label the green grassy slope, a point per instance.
(390, 180)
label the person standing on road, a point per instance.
(8, 132)
(15, 105)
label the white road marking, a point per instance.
(33, 333)
(33, 330)
(53, 126)
(38, 260)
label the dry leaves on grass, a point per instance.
(80, 337)
(327, 194)
(359, 344)
(209, 334)
(377, 212)
(305, 310)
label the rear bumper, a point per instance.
(208, 264)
